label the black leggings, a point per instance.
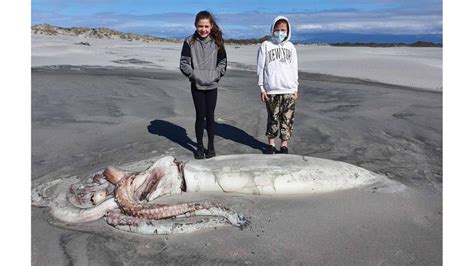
(205, 104)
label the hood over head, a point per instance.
(289, 27)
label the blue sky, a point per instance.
(247, 19)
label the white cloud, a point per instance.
(255, 25)
(403, 21)
(303, 27)
(391, 27)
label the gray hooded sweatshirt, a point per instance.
(203, 62)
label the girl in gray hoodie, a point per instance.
(204, 62)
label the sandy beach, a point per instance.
(420, 67)
(118, 102)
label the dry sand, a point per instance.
(85, 118)
(420, 67)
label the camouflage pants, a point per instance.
(281, 115)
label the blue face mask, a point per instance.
(279, 36)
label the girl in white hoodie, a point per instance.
(277, 71)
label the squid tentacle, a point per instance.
(132, 224)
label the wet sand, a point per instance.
(85, 118)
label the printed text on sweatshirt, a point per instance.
(281, 54)
(277, 68)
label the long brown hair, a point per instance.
(216, 32)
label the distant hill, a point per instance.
(247, 41)
(374, 38)
(353, 44)
(372, 44)
(99, 33)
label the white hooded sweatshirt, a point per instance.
(277, 64)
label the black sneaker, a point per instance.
(199, 153)
(211, 152)
(284, 149)
(270, 149)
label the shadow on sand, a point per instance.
(179, 135)
(172, 132)
(238, 135)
